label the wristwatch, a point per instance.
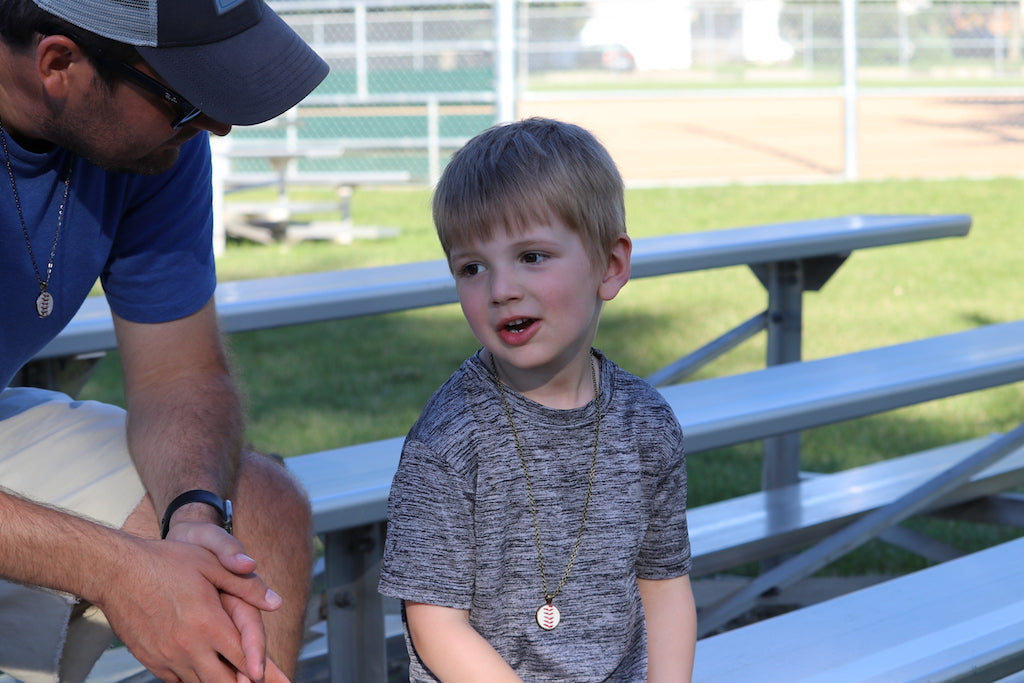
(221, 505)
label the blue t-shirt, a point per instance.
(147, 238)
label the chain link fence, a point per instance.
(700, 91)
(407, 85)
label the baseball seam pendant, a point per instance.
(548, 616)
(44, 304)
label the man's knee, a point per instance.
(267, 490)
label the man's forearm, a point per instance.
(185, 424)
(46, 547)
(186, 434)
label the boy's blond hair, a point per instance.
(515, 174)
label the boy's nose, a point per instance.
(504, 286)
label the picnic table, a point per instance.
(274, 221)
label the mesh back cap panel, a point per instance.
(126, 21)
(236, 60)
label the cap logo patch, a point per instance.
(226, 5)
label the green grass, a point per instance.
(319, 386)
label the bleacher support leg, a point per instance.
(785, 284)
(355, 615)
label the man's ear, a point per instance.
(616, 273)
(61, 66)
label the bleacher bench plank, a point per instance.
(788, 398)
(348, 487)
(722, 534)
(728, 533)
(961, 620)
(313, 297)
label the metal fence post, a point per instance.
(505, 59)
(850, 161)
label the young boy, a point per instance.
(537, 524)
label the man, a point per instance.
(105, 106)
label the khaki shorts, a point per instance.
(71, 455)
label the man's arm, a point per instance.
(671, 617)
(185, 431)
(185, 424)
(160, 596)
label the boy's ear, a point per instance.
(616, 274)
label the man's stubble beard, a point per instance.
(153, 163)
(71, 133)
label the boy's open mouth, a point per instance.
(518, 325)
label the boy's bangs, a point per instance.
(482, 214)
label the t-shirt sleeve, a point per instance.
(429, 548)
(665, 552)
(161, 265)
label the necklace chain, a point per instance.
(44, 283)
(550, 596)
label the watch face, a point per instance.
(229, 517)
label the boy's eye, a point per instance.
(470, 269)
(533, 257)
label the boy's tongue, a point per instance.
(517, 331)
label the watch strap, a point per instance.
(221, 505)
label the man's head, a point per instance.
(234, 60)
(518, 174)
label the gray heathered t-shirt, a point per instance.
(460, 532)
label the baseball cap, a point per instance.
(236, 60)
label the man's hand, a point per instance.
(245, 615)
(189, 607)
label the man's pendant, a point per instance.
(44, 304)
(548, 616)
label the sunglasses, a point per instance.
(186, 111)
